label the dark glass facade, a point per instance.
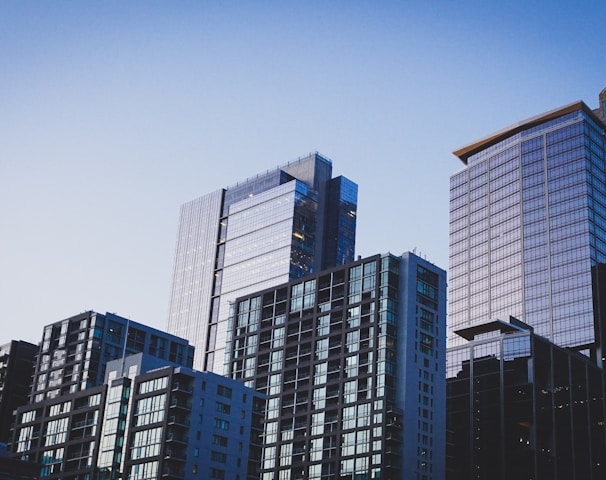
(17, 360)
(351, 360)
(519, 406)
(340, 233)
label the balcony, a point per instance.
(394, 435)
(170, 473)
(394, 422)
(83, 423)
(176, 455)
(393, 449)
(396, 410)
(180, 387)
(174, 438)
(180, 404)
(179, 421)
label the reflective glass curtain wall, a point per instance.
(527, 224)
(275, 227)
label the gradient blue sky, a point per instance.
(113, 114)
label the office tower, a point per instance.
(75, 351)
(352, 361)
(528, 229)
(145, 422)
(17, 360)
(267, 230)
(521, 407)
(528, 240)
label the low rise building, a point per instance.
(170, 422)
(519, 406)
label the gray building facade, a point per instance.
(352, 362)
(74, 352)
(166, 422)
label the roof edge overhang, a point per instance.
(510, 325)
(465, 152)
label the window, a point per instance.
(217, 473)
(223, 408)
(153, 385)
(224, 391)
(150, 410)
(220, 440)
(218, 456)
(146, 443)
(28, 416)
(221, 424)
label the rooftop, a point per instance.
(465, 152)
(503, 326)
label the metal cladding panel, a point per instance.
(193, 272)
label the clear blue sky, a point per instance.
(113, 114)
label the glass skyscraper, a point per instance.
(275, 227)
(528, 229)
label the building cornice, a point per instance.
(465, 152)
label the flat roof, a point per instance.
(513, 325)
(465, 152)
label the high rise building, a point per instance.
(17, 360)
(528, 240)
(74, 352)
(528, 229)
(267, 230)
(352, 361)
(147, 420)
